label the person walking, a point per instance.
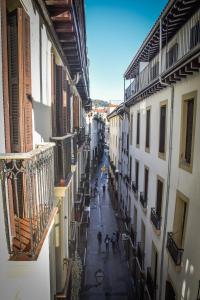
(106, 241)
(113, 241)
(99, 238)
(104, 188)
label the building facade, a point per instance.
(44, 90)
(161, 190)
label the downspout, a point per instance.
(169, 165)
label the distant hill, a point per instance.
(99, 103)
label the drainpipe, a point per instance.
(169, 165)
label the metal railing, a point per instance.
(184, 42)
(62, 159)
(74, 149)
(143, 200)
(155, 218)
(175, 252)
(27, 185)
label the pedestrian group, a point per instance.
(114, 240)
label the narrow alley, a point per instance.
(116, 280)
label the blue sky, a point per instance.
(115, 31)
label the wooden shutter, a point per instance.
(68, 107)
(147, 127)
(162, 129)
(20, 81)
(53, 95)
(15, 79)
(64, 92)
(76, 111)
(159, 197)
(189, 129)
(59, 102)
(28, 130)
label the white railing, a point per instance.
(186, 40)
(27, 189)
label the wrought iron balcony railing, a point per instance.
(143, 200)
(62, 159)
(155, 219)
(27, 182)
(151, 285)
(175, 252)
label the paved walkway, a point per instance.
(117, 280)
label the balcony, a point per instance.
(151, 285)
(62, 159)
(175, 252)
(27, 185)
(143, 200)
(155, 219)
(180, 55)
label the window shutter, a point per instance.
(64, 90)
(59, 102)
(146, 183)
(76, 111)
(147, 127)
(189, 127)
(162, 129)
(138, 129)
(159, 197)
(20, 81)
(53, 96)
(68, 107)
(28, 130)
(15, 79)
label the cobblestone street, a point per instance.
(117, 280)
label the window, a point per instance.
(137, 174)
(154, 71)
(131, 130)
(162, 134)
(127, 143)
(159, 197)
(147, 142)
(172, 55)
(187, 131)
(138, 130)
(135, 219)
(146, 182)
(179, 224)
(195, 35)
